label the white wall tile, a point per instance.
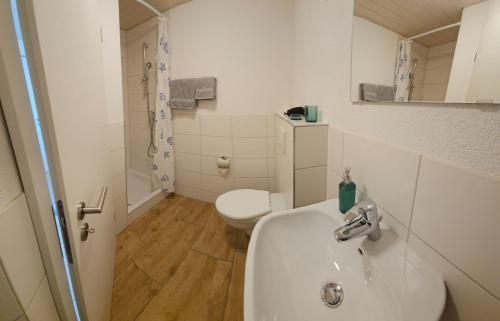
(186, 123)
(135, 85)
(138, 119)
(310, 185)
(188, 192)
(216, 146)
(139, 135)
(311, 146)
(466, 300)
(457, 213)
(138, 102)
(19, 250)
(271, 147)
(271, 167)
(250, 126)
(134, 66)
(209, 166)
(335, 149)
(216, 125)
(271, 184)
(10, 309)
(187, 143)
(251, 183)
(139, 163)
(270, 126)
(217, 184)
(209, 197)
(332, 184)
(386, 173)
(138, 149)
(250, 147)
(250, 167)
(189, 162)
(188, 179)
(42, 308)
(10, 184)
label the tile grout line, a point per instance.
(490, 293)
(414, 198)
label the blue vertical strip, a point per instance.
(43, 151)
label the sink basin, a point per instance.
(293, 254)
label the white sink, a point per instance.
(293, 254)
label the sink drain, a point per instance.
(332, 295)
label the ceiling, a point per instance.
(133, 13)
(413, 17)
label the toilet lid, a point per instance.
(244, 204)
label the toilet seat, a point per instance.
(243, 205)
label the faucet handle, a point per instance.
(369, 210)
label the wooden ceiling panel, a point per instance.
(133, 13)
(413, 17)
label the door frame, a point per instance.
(17, 104)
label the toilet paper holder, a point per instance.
(223, 162)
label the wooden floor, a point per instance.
(180, 261)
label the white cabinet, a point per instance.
(301, 160)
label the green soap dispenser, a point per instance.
(347, 192)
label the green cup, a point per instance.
(311, 113)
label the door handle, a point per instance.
(82, 209)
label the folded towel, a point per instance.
(205, 88)
(372, 92)
(182, 103)
(182, 93)
(385, 93)
(368, 92)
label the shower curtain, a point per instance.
(402, 71)
(163, 160)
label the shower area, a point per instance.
(139, 51)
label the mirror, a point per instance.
(426, 51)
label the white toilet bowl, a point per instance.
(243, 208)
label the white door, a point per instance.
(68, 45)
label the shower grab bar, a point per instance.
(82, 210)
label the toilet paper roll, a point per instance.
(223, 162)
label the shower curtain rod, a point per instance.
(432, 31)
(150, 7)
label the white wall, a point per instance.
(391, 150)
(374, 51)
(246, 44)
(466, 135)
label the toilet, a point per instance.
(243, 208)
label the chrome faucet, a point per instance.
(365, 223)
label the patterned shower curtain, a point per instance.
(402, 71)
(163, 160)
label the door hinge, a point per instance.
(65, 234)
